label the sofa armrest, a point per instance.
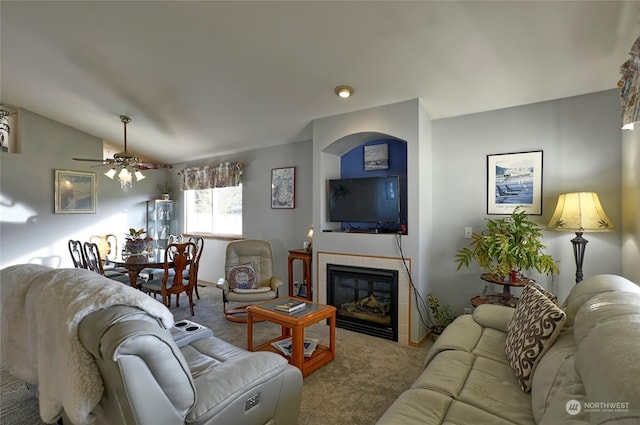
(259, 387)
(493, 316)
(139, 364)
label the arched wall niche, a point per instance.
(350, 141)
(346, 156)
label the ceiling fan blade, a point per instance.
(92, 160)
(126, 159)
(152, 166)
(101, 165)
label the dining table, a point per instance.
(135, 263)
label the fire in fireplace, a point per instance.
(366, 299)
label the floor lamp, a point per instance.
(580, 212)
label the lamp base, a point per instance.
(579, 245)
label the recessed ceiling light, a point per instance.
(344, 91)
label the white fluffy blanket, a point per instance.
(41, 311)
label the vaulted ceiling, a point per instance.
(210, 78)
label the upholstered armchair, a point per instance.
(248, 277)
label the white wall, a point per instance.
(31, 232)
(631, 205)
(284, 229)
(335, 135)
(580, 139)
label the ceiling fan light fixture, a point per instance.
(111, 173)
(139, 175)
(125, 165)
(125, 178)
(344, 91)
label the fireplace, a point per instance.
(366, 299)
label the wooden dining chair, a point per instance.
(152, 272)
(77, 254)
(173, 280)
(108, 247)
(198, 241)
(94, 263)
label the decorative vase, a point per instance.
(513, 276)
(136, 246)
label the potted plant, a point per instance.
(508, 246)
(441, 315)
(165, 189)
(135, 243)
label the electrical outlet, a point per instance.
(467, 232)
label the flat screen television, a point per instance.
(365, 200)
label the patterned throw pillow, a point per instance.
(548, 294)
(242, 276)
(535, 326)
(539, 287)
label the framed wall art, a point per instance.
(514, 180)
(283, 187)
(75, 192)
(376, 157)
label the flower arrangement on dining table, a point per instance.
(135, 243)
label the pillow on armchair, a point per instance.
(242, 277)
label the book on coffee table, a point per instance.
(284, 345)
(291, 306)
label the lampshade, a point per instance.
(580, 212)
(139, 176)
(310, 234)
(111, 173)
(125, 176)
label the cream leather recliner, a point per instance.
(248, 277)
(150, 377)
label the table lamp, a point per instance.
(579, 212)
(308, 246)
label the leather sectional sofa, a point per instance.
(589, 373)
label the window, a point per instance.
(217, 210)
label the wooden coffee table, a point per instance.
(293, 325)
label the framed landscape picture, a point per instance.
(283, 187)
(376, 157)
(75, 192)
(514, 180)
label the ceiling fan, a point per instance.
(126, 162)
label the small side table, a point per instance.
(305, 257)
(506, 290)
(292, 326)
(494, 299)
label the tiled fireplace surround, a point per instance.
(376, 262)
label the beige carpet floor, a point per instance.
(356, 388)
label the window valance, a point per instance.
(630, 87)
(224, 174)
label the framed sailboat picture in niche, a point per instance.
(376, 157)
